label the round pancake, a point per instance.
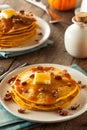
(59, 93)
(18, 29)
(30, 105)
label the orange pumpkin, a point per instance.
(62, 4)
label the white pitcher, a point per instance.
(76, 39)
(83, 6)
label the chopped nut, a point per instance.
(83, 86)
(32, 76)
(12, 79)
(62, 112)
(36, 40)
(64, 71)
(39, 67)
(24, 83)
(22, 111)
(79, 82)
(57, 77)
(40, 33)
(69, 84)
(18, 80)
(22, 11)
(7, 96)
(59, 108)
(75, 107)
(66, 74)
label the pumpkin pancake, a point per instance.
(16, 28)
(44, 88)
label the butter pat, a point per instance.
(42, 78)
(8, 13)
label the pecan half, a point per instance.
(7, 96)
(12, 79)
(62, 112)
(75, 107)
(22, 111)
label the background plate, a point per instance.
(42, 116)
(44, 29)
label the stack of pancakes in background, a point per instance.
(16, 28)
(44, 88)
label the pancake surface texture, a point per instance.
(16, 27)
(44, 88)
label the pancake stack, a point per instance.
(44, 88)
(16, 28)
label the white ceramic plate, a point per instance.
(37, 40)
(42, 116)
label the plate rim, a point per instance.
(19, 49)
(80, 112)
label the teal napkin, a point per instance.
(7, 54)
(78, 68)
(10, 122)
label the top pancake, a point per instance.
(61, 87)
(17, 29)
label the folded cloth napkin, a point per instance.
(7, 54)
(10, 122)
(78, 68)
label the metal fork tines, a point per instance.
(54, 17)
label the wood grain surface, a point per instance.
(54, 53)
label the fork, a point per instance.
(11, 69)
(54, 17)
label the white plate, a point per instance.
(44, 29)
(42, 116)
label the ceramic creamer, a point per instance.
(75, 39)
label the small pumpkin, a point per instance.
(62, 4)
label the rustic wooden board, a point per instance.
(54, 53)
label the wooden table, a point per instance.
(55, 53)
